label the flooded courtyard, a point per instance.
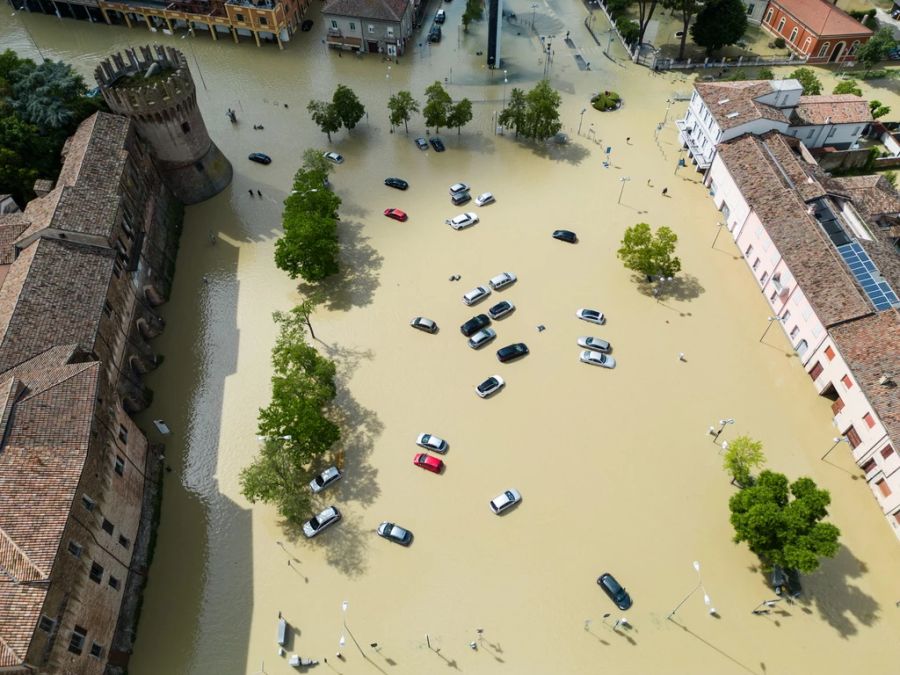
(616, 469)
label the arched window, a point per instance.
(793, 35)
(854, 47)
(823, 50)
(806, 42)
(801, 347)
(769, 14)
(781, 24)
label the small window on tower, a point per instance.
(185, 127)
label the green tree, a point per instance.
(44, 95)
(325, 116)
(295, 425)
(645, 13)
(474, 12)
(648, 253)
(542, 115)
(878, 109)
(877, 48)
(401, 106)
(437, 108)
(686, 10)
(514, 114)
(347, 106)
(808, 80)
(742, 456)
(765, 73)
(460, 115)
(784, 531)
(719, 23)
(617, 7)
(847, 87)
(314, 162)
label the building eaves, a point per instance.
(379, 10)
(836, 109)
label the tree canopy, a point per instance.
(401, 106)
(742, 456)
(650, 253)
(460, 115)
(542, 112)
(686, 10)
(438, 106)
(474, 12)
(784, 531)
(877, 48)
(847, 87)
(347, 107)
(808, 80)
(513, 115)
(325, 116)
(719, 23)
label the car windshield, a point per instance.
(320, 480)
(509, 495)
(314, 523)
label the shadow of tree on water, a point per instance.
(685, 287)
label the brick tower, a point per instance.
(156, 91)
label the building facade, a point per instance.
(755, 10)
(815, 29)
(369, 26)
(83, 267)
(721, 111)
(824, 253)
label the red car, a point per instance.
(428, 462)
(396, 214)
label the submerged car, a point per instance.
(421, 144)
(505, 500)
(320, 521)
(476, 295)
(475, 324)
(440, 16)
(484, 199)
(462, 221)
(490, 386)
(501, 309)
(259, 158)
(398, 183)
(481, 338)
(431, 442)
(597, 359)
(330, 475)
(592, 315)
(565, 235)
(457, 188)
(333, 157)
(460, 198)
(614, 590)
(424, 324)
(511, 352)
(394, 533)
(437, 144)
(502, 280)
(396, 214)
(306, 25)
(596, 344)
(428, 462)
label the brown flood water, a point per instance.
(615, 467)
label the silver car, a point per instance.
(424, 324)
(395, 533)
(592, 315)
(484, 199)
(321, 521)
(481, 338)
(502, 280)
(596, 344)
(462, 221)
(333, 157)
(476, 295)
(431, 442)
(597, 359)
(505, 500)
(324, 479)
(457, 188)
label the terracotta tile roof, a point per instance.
(762, 171)
(12, 225)
(836, 109)
(823, 18)
(873, 196)
(733, 103)
(54, 293)
(871, 348)
(48, 412)
(382, 10)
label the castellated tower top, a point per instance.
(153, 86)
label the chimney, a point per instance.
(42, 186)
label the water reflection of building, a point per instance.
(369, 26)
(825, 253)
(265, 20)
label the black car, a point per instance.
(614, 590)
(437, 144)
(461, 198)
(398, 183)
(786, 580)
(259, 158)
(513, 351)
(475, 324)
(434, 35)
(306, 25)
(565, 235)
(501, 309)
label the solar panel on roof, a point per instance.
(879, 291)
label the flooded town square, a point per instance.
(616, 468)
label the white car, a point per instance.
(319, 522)
(476, 295)
(458, 188)
(324, 479)
(462, 221)
(505, 500)
(333, 157)
(431, 442)
(597, 359)
(502, 280)
(484, 199)
(490, 386)
(481, 338)
(592, 315)
(596, 344)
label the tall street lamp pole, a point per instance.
(505, 81)
(623, 180)
(706, 598)
(583, 110)
(771, 319)
(837, 441)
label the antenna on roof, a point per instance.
(887, 379)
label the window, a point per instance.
(776, 282)
(46, 624)
(390, 31)
(76, 644)
(755, 264)
(750, 7)
(887, 451)
(119, 466)
(124, 541)
(854, 47)
(74, 548)
(869, 466)
(829, 352)
(334, 24)
(769, 15)
(848, 384)
(712, 188)
(853, 437)
(239, 18)
(786, 315)
(263, 21)
(764, 278)
(823, 50)
(795, 331)
(185, 127)
(371, 29)
(793, 35)
(773, 296)
(89, 503)
(748, 251)
(884, 487)
(869, 420)
(107, 526)
(96, 574)
(801, 347)
(96, 650)
(352, 25)
(897, 516)
(781, 24)
(123, 433)
(725, 210)
(107, 308)
(816, 371)
(114, 583)
(806, 42)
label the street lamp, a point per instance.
(722, 424)
(771, 319)
(622, 180)
(768, 604)
(581, 119)
(706, 598)
(837, 440)
(534, 6)
(505, 81)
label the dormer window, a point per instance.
(724, 101)
(731, 116)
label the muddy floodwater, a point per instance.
(616, 469)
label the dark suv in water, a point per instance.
(475, 324)
(614, 590)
